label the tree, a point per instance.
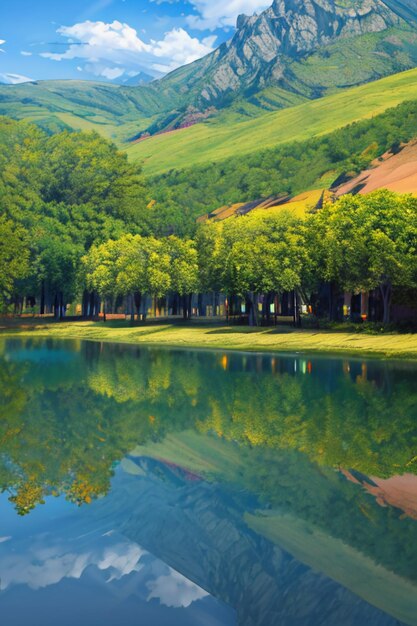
(69, 191)
(131, 270)
(157, 268)
(262, 254)
(101, 270)
(14, 257)
(370, 243)
(183, 269)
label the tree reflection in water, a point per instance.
(309, 436)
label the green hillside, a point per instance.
(284, 170)
(227, 136)
(116, 112)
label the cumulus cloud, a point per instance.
(14, 79)
(43, 560)
(212, 14)
(175, 590)
(39, 567)
(113, 49)
(2, 41)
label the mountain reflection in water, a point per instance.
(211, 488)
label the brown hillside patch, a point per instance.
(396, 172)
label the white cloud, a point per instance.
(175, 590)
(14, 79)
(39, 567)
(39, 561)
(2, 41)
(178, 48)
(100, 69)
(26, 54)
(4, 539)
(220, 13)
(109, 47)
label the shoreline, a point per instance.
(221, 337)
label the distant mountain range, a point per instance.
(294, 51)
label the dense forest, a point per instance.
(79, 222)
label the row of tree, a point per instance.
(359, 243)
(77, 217)
(135, 266)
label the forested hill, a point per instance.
(45, 182)
(292, 52)
(281, 171)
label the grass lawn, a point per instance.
(210, 336)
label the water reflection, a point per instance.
(274, 484)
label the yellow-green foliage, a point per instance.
(299, 204)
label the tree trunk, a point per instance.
(386, 292)
(84, 304)
(42, 307)
(200, 305)
(132, 308)
(215, 302)
(297, 316)
(253, 306)
(138, 301)
(56, 306)
(175, 305)
(61, 305)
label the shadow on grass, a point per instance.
(239, 330)
(152, 331)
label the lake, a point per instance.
(173, 488)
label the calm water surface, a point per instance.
(174, 488)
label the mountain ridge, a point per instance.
(301, 49)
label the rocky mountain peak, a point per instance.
(265, 44)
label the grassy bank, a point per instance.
(209, 336)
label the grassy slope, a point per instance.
(355, 571)
(282, 339)
(116, 112)
(224, 137)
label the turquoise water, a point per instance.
(167, 487)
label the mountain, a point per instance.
(228, 135)
(141, 78)
(115, 111)
(294, 51)
(295, 44)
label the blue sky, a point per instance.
(111, 39)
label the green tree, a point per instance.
(183, 269)
(370, 243)
(14, 257)
(262, 254)
(101, 270)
